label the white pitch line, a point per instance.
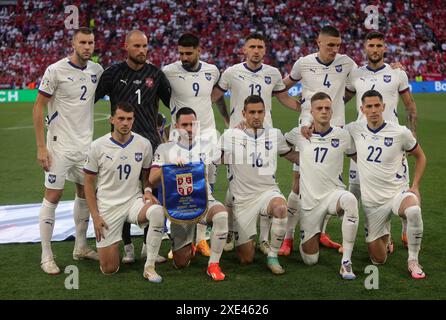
(104, 116)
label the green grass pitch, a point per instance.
(21, 277)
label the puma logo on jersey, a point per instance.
(108, 157)
(123, 81)
(313, 70)
(181, 77)
(70, 78)
(241, 77)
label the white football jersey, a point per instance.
(70, 109)
(252, 160)
(118, 168)
(321, 160)
(172, 151)
(316, 76)
(380, 156)
(193, 89)
(387, 81)
(244, 82)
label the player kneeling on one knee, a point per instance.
(252, 182)
(187, 148)
(322, 191)
(113, 191)
(381, 148)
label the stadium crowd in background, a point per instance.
(33, 34)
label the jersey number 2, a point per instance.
(84, 88)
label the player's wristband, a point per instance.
(148, 189)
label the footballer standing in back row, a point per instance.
(67, 89)
(140, 84)
(192, 82)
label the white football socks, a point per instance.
(81, 216)
(201, 232)
(264, 227)
(293, 214)
(47, 217)
(414, 231)
(350, 220)
(219, 234)
(278, 230)
(155, 215)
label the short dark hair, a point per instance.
(189, 40)
(330, 31)
(184, 111)
(375, 35)
(371, 93)
(253, 99)
(319, 96)
(124, 106)
(256, 36)
(84, 30)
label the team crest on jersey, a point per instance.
(352, 174)
(94, 78)
(388, 142)
(338, 68)
(335, 143)
(138, 156)
(51, 178)
(149, 82)
(268, 145)
(208, 76)
(185, 184)
(267, 79)
(387, 78)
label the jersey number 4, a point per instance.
(326, 82)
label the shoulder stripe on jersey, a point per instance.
(90, 172)
(404, 90)
(43, 93)
(55, 114)
(416, 145)
(120, 144)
